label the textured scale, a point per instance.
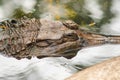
(24, 38)
(15, 31)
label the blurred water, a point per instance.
(93, 55)
(57, 68)
(113, 28)
(35, 69)
(60, 68)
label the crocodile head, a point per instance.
(24, 38)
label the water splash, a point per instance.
(9, 6)
(94, 8)
(35, 69)
(93, 55)
(113, 28)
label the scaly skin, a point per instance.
(24, 38)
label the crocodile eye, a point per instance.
(13, 21)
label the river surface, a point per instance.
(54, 68)
(35, 69)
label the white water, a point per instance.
(94, 8)
(60, 68)
(113, 28)
(92, 55)
(57, 68)
(35, 69)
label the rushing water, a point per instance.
(93, 55)
(57, 68)
(35, 69)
